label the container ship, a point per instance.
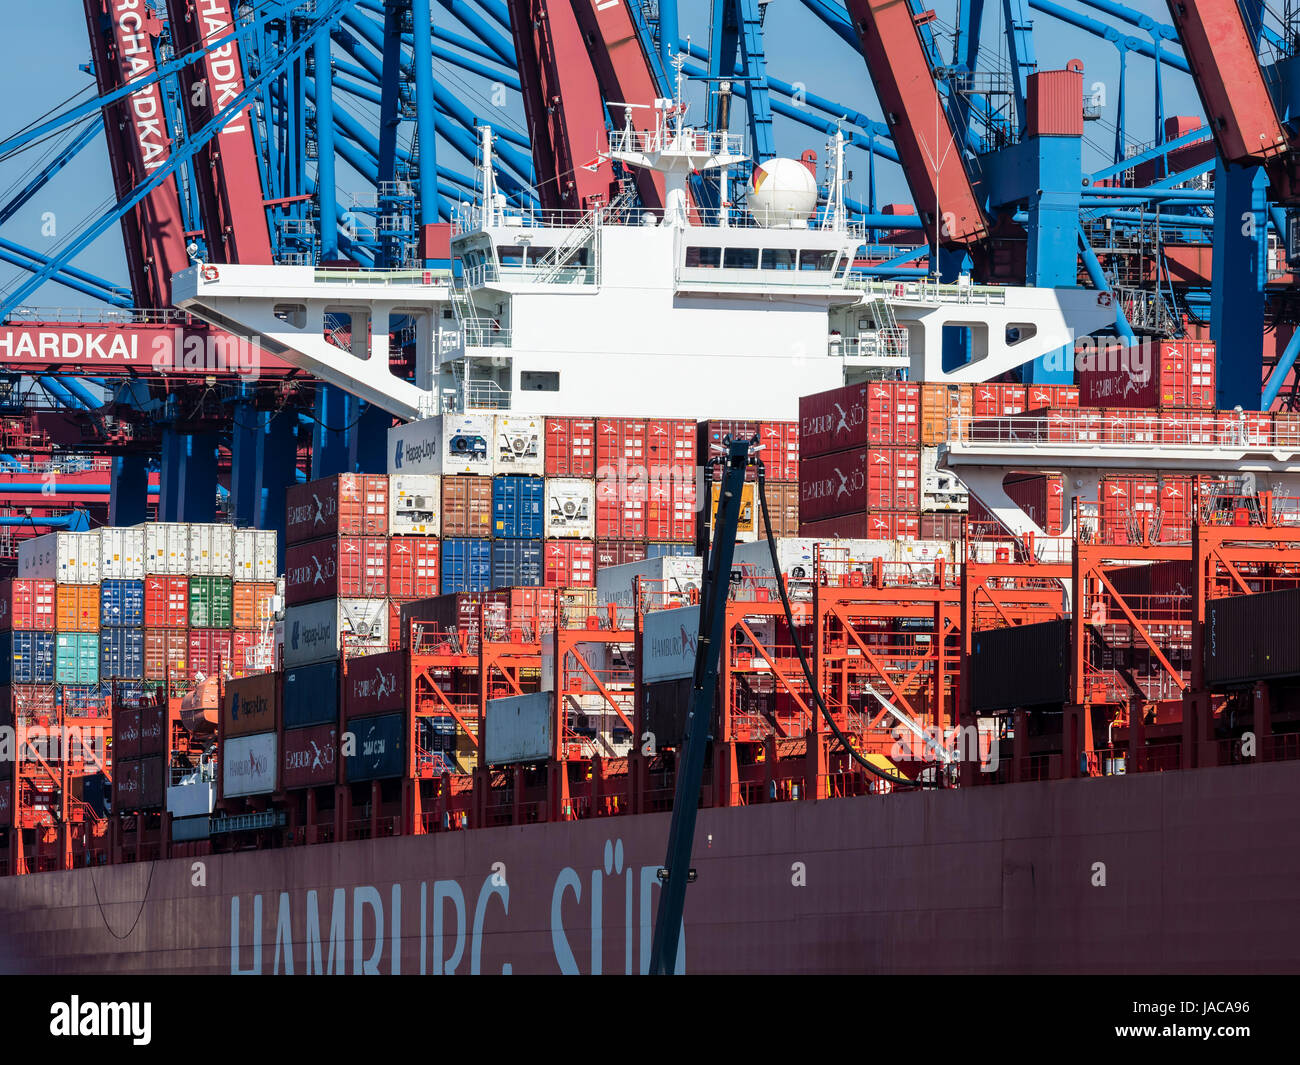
(1007, 672)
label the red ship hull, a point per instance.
(1194, 871)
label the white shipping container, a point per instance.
(364, 624)
(797, 560)
(925, 550)
(65, 557)
(312, 630)
(414, 504)
(940, 489)
(520, 728)
(670, 581)
(121, 553)
(520, 443)
(669, 643)
(570, 508)
(248, 764)
(467, 444)
(212, 550)
(166, 548)
(254, 555)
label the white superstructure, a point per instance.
(688, 312)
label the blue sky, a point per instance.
(48, 42)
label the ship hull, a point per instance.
(1193, 872)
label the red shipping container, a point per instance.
(375, 684)
(670, 509)
(843, 527)
(570, 447)
(1201, 375)
(363, 566)
(893, 413)
(413, 567)
(831, 421)
(31, 704)
(710, 437)
(309, 756)
(242, 642)
(1135, 426)
(27, 605)
(126, 784)
(349, 504)
(529, 612)
(893, 478)
(943, 526)
(618, 552)
(999, 400)
(166, 602)
(671, 442)
(126, 734)
(1041, 497)
(166, 654)
(893, 525)
(620, 509)
(570, 564)
(1128, 504)
(831, 485)
(1115, 375)
(153, 786)
(155, 729)
(1054, 103)
(1245, 428)
(311, 571)
(395, 621)
(621, 447)
(1190, 427)
(209, 651)
(780, 452)
(1058, 397)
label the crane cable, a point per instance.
(874, 770)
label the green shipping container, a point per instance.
(212, 602)
(76, 658)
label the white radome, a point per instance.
(782, 194)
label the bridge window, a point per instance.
(511, 255)
(740, 259)
(709, 258)
(778, 258)
(536, 255)
(816, 260)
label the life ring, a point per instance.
(209, 273)
(1104, 299)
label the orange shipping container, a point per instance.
(466, 506)
(165, 653)
(938, 404)
(76, 608)
(252, 603)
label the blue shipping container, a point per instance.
(28, 659)
(311, 694)
(660, 550)
(121, 604)
(121, 654)
(466, 565)
(517, 564)
(517, 507)
(380, 747)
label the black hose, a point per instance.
(803, 658)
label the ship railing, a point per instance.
(484, 333)
(925, 290)
(889, 345)
(1137, 430)
(342, 276)
(101, 316)
(685, 139)
(1276, 747)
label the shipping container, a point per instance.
(1252, 638)
(363, 566)
(413, 567)
(671, 511)
(66, 557)
(364, 625)
(780, 450)
(210, 651)
(121, 654)
(570, 564)
(310, 757)
(945, 525)
(211, 602)
(255, 555)
(76, 608)
(121, 553)
(1054, 103)
(167, 549)
(153, 787)
(252, 604)
(29, 704)
(166, 654)
(519, 728)
(893, 478)
(783, 509)
(121, 604)
(941, 490)
(84, 700)
(467, 445)
(466, 565)
(251, 651)
(466, 506)
(26, 657)
(622, 449)
(570, 508)
(832, 485)
(312, 632)
(27, 604)
(667, 581)
(517, 507)
(658, 550)
(1041, 497)
(520, 445)
(529, 612)
(672, 448)
(439, 615)
(940, 404)
(570, 447)
(249, 765)
(250, 705)
(76, 658)
(126, 785)
(517, 563)
(212, 550)
(747, 528)
(617, 553)
(311, 571)
(997, 400)
(710, 442)
(414, 505)
(155, 728)
(310, 694)
(375, 684)
(621, 506)
(126, 733)
(166, 602)
(843, 526)
(1020, 666)
(380, 748)
(347, 504)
